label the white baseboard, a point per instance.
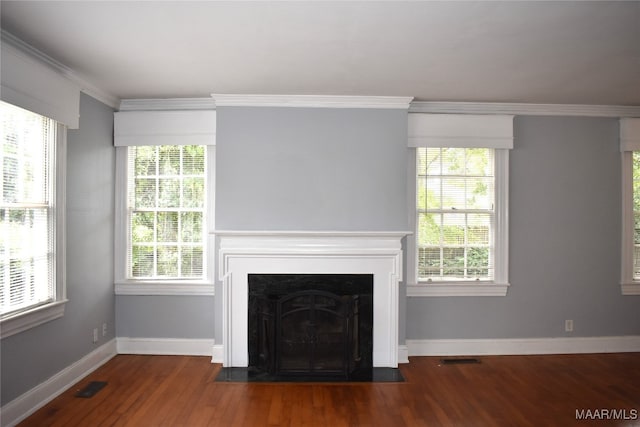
(26, 404)
(524, 346)
(166, 346)
(218, 351)
(403, 353)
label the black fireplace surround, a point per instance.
(311, 325)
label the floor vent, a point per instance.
(459, 361)
(91, 389)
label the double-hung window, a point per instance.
(164, 200)
(166, 215)
(455, 214)
(31, 219)
(630, 148)
(460, 243)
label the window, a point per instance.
(163, 229)
(31, 216)
(164, 199)
(166, 205)
(630, 147)
(456, 214)
(635, 179)
(459, 178)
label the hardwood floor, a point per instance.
(499, 391)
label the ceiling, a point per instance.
(562, 52)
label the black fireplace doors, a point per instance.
(310, 325)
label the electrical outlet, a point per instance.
(104, 329)
(95, 335)
(568, 325)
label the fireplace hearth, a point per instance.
(311, 325)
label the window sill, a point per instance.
(25, 320)
(451, 289)
(632, 288)
(151, 287)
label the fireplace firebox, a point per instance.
(311, 325)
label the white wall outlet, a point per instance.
(104, 329)
(568, 325)
(95, 335)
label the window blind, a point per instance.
(27, 212)
(456, 213)
(166, 210)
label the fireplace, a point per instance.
(243, 254)
(311, 325)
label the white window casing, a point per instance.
(464, 131)
(21, 319)
(29, 80)
(145, 128)
(629, 143)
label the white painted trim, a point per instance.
(164, 104)
(301, 233)
(165, 346)
(448, 289)
(460, 130)
(524, 346)
(29, 402)
(501, 235)
(19, 322)
(626, 264)
(29, 319)
(175, 127)
(218, 354)
(521, 109)
(156, 288)
(403, 353)
(629, 134)
(630, 288)
(86, 87)
(124, 286)
(244, 253)
(312, 101)
(500, 285)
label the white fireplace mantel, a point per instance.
(242, 253)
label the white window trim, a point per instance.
(30, 318)
(629, 142)
(628, 285)
(496, 287)
(124, 286)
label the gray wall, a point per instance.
(311, 169)
(565, 219)
(159, 316)
(33, 356)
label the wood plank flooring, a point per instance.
(499, 391)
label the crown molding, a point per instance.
(522, 109)
(86, 87)
(313, 101)
(160, 104)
